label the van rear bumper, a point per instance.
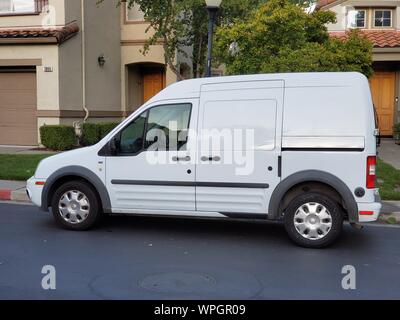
(369, 212)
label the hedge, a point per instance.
(94, 132)
(58, 137)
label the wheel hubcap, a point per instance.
(313, 221)
(74, 207)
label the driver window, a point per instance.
(131, 141)
(167, 128)
(164, 128)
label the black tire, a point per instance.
(336, 218)
(94, 207)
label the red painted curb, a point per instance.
(5, 194)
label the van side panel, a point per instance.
(330, 128)
(324, 112)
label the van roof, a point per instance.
(192, 88)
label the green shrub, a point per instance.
(106, 128)
(92, 133)
(58, 137)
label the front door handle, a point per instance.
(177, 159)
(211, 159)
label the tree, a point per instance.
(182, 24)
(229, 12)
(282, 37)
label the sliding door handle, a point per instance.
(177, 159)
(211, 159)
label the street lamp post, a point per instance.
(212, 9)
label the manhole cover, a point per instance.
(178, 282)
(171, 283)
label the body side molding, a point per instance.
(317, 176)
(191, 184)
(80, 172)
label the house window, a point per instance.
(382, 18)
(357, 18)
(133, 13)
(16, 7)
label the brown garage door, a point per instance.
(18, 122)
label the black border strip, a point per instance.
(191, 184)
(325, 149)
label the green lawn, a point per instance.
(19, 167)
(388, 181)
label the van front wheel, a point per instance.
(313, 220)
(75, 206)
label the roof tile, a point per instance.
(379, 38)
(61, 34)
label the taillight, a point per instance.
(366, 213)
(371, 172)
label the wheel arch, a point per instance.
(73, 173)
(275, 209)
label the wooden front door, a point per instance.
(153, 83)
(383, 87)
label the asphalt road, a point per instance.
(161, 258)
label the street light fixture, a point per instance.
(212, 9)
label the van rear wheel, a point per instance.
(75, 206)
(313, 220)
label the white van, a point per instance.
(294, 147)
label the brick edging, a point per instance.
(5, 194)
(13, 195)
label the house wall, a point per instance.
(133, 37)
(103, 36)
(135, 94)
(70, 62)
(340, 8)
(102, 84)
(47, 82)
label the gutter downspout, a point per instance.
(84, 62)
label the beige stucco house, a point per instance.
(379, 21)
(64, 60)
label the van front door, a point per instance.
(153, 167)
(239, 151)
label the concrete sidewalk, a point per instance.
(389, 152)
(23, 150)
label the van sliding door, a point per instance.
(240, 127)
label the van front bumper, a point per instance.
(369, 212)
(34, 190)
